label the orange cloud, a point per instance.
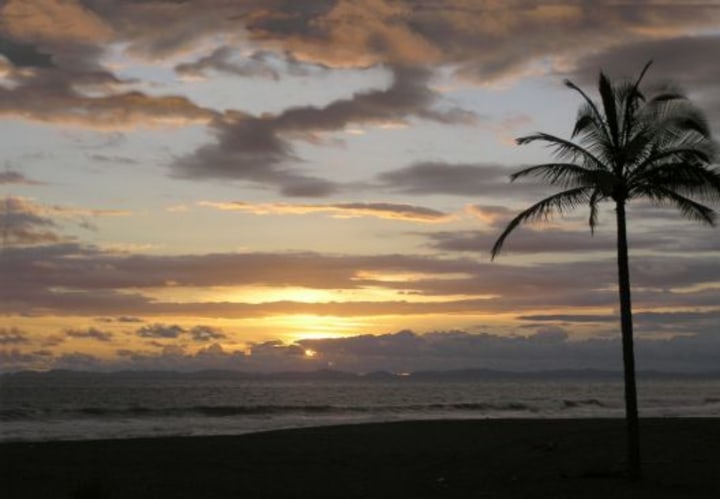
(53, 20)
(387, 211)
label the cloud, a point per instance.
(13, 336)
(221, 60)
(160, 331)
(37, 20)
(523, 241)
(74, 280)
(646, 324)
(543, 349)
(259, 150)
(494, 216)
(25, 222)
(90, 333)
(407, 351)
(436, 177)
(540, 347)
(128, 319)
(14, 177)
(387, 211)
(481, 39)
(22, 55)
(681, 59)
(17, 360)
(56, 76)
(50, 96)
(206, 333)
(117, 160)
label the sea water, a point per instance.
(37, 408)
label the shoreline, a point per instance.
(439, 458)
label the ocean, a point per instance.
(84, 406)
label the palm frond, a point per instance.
(596, 196)
(633, 96)
(677, 156)
(642, 72)
(598, 116)
(672, 118)
(659, 148)
(689, 208)
(564, 149)
(560, 203)
(690, 178)
(666, 96)
(693, 120)
(607, 93)
(584, 121)
(566, 174)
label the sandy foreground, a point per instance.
(424, 459)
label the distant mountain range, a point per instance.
(334, 375)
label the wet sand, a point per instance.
(479, 458)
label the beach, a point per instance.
(488, 458)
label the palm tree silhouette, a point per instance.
(629, 146)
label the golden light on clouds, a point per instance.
(246, 172)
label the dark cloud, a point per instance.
(24, 222)
(683, 60)
(90, 333)
(481, 38)
(651, 228)
(647, 324)
(552, 240)
(14, 177)
(76, 280)
(67, 265)
(17, 360)
(206, 333)
(53, 96)
(24, 55)
(544, 349)
(122, 319)
(13, 336)
(160, 331)
(259, 149)
(435, 177)
(66, 64)
(53, 340)
(524, 241)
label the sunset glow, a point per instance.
(253, 185)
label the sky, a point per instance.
(270, 185)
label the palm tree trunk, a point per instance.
(631, 410)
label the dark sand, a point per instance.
(547, 459)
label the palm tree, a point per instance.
(629, 146)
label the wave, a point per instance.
(582, 403)
(222, 411)
(318, 410)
